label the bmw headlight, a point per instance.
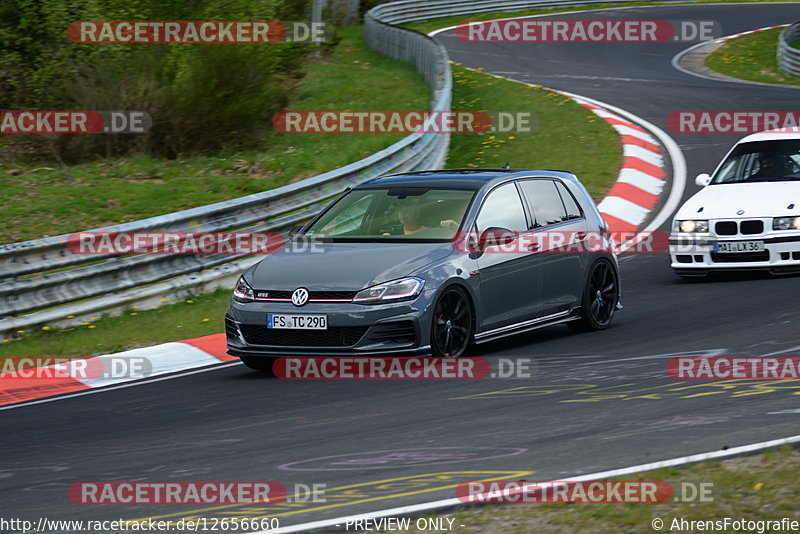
(402, 289)
(690, 226)
(786, 223)
(243, 292)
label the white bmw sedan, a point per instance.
(747, 216)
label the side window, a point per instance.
(573, 210)
(503, 209)
(544, 201)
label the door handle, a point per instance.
(580, 236)
(534, 247)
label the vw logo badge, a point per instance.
(300, 296)
(740, 212)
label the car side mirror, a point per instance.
(703, 179)
(495, 236)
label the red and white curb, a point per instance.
(163, 359)
(735, 35)
(641, 179)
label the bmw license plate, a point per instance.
(739, 246)
(297, 321)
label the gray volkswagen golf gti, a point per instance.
(428, 263)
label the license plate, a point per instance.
(297, 321)
(739, 246)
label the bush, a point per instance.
(201, 97)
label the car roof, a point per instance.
(461, 178)
(781, 134)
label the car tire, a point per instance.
(259, 363)
(452, 325)
(600, 298)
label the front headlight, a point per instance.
(786, 223)
(690, 227)
(243, 292)
(402, 289)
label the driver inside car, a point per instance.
(409, 215)
(772, 166)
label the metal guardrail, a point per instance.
(415, 10)
(788, 56)
(42, 281)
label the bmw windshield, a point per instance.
(394, 214)
(761, 161)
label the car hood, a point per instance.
(757, 199)
(344, 266)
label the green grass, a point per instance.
(44, 198)
(751, 57)
(565, 135)
(198, 316)
(755, 488)
(430, 25)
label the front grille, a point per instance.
(752, 227)
(336, 336)
(337, 295)
(726, 228)
(716, 257)
(397, 331)
(312, 295)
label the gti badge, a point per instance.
(300, 296)
(740, 212)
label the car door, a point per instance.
(561, 223)
(510, 282)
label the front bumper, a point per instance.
(695, 253)
(353, 330)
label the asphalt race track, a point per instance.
(595, 402)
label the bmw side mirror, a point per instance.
(703, 179)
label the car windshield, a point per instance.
(761, 161)
(394, 213)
